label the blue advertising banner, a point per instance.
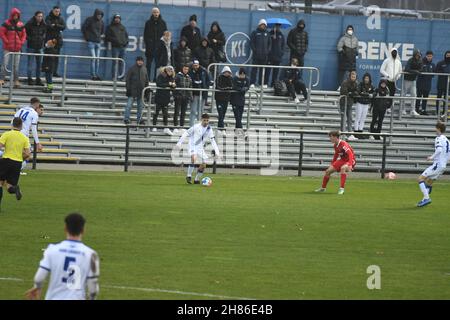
(376, 35)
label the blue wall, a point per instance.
(324, 31)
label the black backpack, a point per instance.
(280, 88)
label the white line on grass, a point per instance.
(209, 295)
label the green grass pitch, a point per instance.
(246, 236)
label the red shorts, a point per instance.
(337, 165)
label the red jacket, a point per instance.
(13, 34)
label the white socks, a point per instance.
(424, 190)
(190, 170)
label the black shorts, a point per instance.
(10, 171)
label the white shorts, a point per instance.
(200, 155)
(433, 172)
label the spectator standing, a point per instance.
(154, 29)
(136, 81)
(298, 41)
(294, 83)
(442, 85)
(192, 33)
(241, 84)
(200, 80)
(48, 63)
(165, 81)
(182, 97)
(349, 88)
(347, 49)
(93, 29)
(165, 50)
(55, 27)
(424, 83)
(13, 35)
(379, 107)
(260, 42)
(412, 70)
(217, 42)
(224, 84)
(365, 91)
(205, 55)
(117, 35)
(276, 53)
(391, 70)
(36, 30)
(182, 54)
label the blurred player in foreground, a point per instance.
(344, 165)
(73, 266)
(440, 158)
(198, 135)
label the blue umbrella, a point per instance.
(271, 22)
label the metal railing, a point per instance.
(64, 77)
(343, 111)
(150, 88)
(264, 67)
(403, 73)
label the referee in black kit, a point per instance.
(17, 149)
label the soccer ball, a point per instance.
(390, 176)
(206, 182)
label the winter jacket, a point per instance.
(192, 35)
(183, 81)
(162, 53)
(365, 91)
(35, 34)
(298, 40)
(350, 89)
(200, 79)
(219, 45)
(182, 56)
(162, 97)
(347, 48)
(260, 43)
(136, 80)
(13, 33)
(204, 55)
(153, 31)
(413, 67)
(277, 47)
(241, 86)
(443, 67)
(55, 27)
(391, 69)
(93, 28)
(117, 34)
(291, 75)
(48, 62)
(225, 84)
(424, 81)
(381, 92)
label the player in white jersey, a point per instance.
(72, 266)
(440, 158)
(198, 135)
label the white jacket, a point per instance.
(392, 69)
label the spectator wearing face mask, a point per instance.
(297, 41)
(442, 67)
(379, 107)
(391, 70)
(424, 83)
(347, 49)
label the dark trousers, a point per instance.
(441, 93)
(38, 60)
(56, 62)
(259, 70)
(181, 104)
(49, 77)
(378, 114)
(165, 113)
(273, 71)
(222, 107)
(238, 112)
(150, 54)
(296, 87)
(342, 75)
(392, 89)
(421, 93)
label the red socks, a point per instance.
(325, 181)
(343, 179)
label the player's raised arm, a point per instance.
(92, 279)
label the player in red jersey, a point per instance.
(345, 164)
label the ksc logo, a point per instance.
(237, 48)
